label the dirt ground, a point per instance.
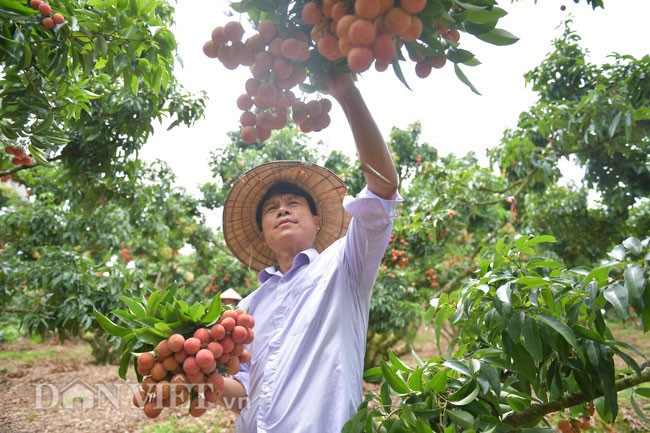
(56, 388)
(61, 390)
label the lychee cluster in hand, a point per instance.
(191, 368)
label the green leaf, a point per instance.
(149, 335)
(633, 245)
(44, 125)
(537, 262)
(100, 64)
(197, 311)
(502, 299)
(398, 362)
(561, 328)
(417, 359)
(536, 430)
(384, 395)
(152, 303)
(462, 56)
(614, 124)
(135, 83)
(484, 15)
(398, 72)
(478, 28)
(517, 404)
(593, 354)
(528, 280)
(415, 380)
(394, 380)
(498, 37)
(628, 360)
(531, 339)
(492, 376)
(598, 274)
(638, 409)
(540, 239)
(617, 296)
(125, 360)
(101, 45)
(523, 362)
(618, 253)
(461, 418)
(408, 417)
(164, 328)
(462, 77)
(515, 325)
(642, 391)
(438, 382)
(17, 6)
(458, 366)
(110, 327)
(372, 374)
(634, 282)
(444, 313)
(136, 307)
(422, 427)
(462, 397)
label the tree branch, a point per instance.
(18, 310)
(520, 184)
(449, 285)
(25, 167)
(537, 411)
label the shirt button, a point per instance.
(266, 389)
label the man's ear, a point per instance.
(316, 221)
(261, 235)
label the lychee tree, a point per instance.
(532, 338)
(598, 117)
(68, 249)
(294, 44)
(82, 81)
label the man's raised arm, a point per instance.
(376, 162)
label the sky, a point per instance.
(454, 119)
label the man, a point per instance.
(284, 219)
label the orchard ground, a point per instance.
(49, 387)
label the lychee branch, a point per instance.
(536, 411)
(16, 169)
(521, 184)
(451, 284)
(500, 190)
(14, 310)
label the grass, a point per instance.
(171, 425)
(207, 423)
(28, 355)
(31, 352)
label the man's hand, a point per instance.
(336, 84)
(376, 162)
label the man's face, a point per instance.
(288, 224)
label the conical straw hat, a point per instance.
(240, 229)
(230, 294)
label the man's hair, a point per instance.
(283, 188)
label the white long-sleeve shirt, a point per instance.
(306, 370)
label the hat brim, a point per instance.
(240, 228)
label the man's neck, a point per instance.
(286, 263)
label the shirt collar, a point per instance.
(301, 258)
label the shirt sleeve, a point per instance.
(243, 376)
(368, 234)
